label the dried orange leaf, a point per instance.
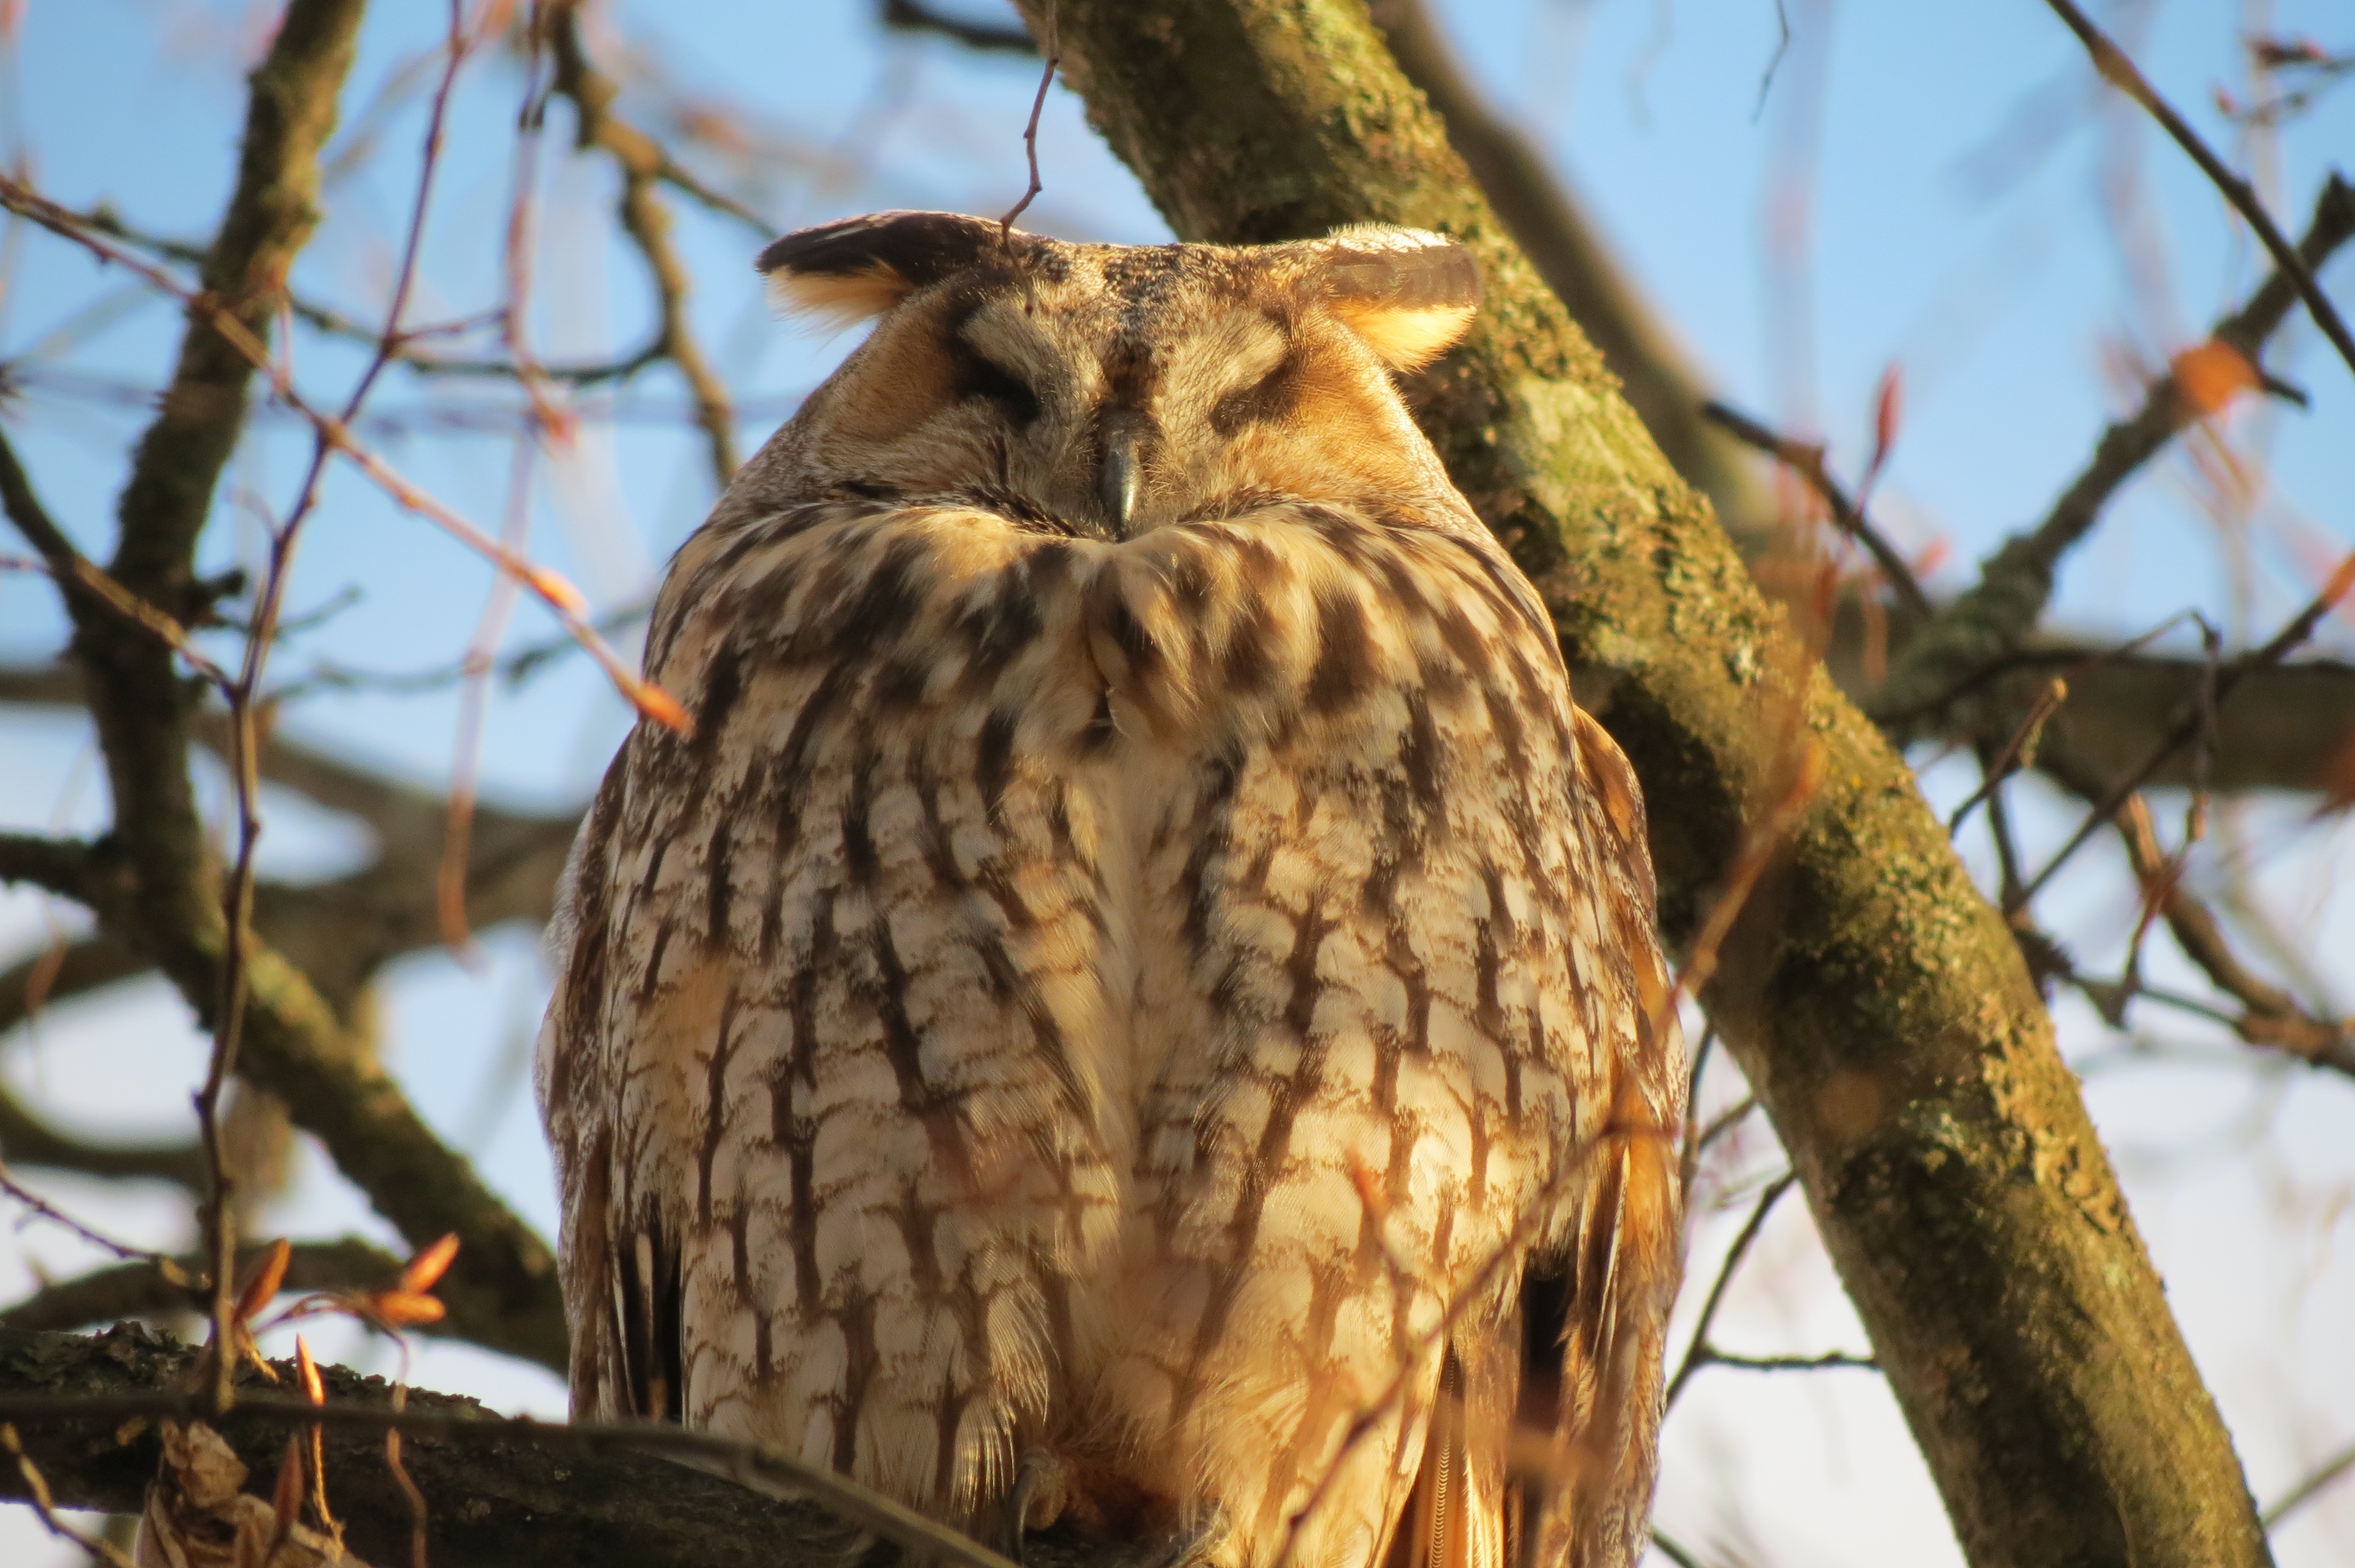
(314, 1388)
(286, 1498)
(663, 708)
(2212, 373)
(1888, 408)
(264, 1283)
(429, 1266)
(401, 1308)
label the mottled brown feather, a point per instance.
(1123, 981)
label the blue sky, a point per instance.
(1955, 171)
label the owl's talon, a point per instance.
(1042, 1491)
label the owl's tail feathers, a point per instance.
(1586, 1451)
(1457, 1516)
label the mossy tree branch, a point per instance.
(1874, 998)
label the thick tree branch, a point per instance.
(339, 933)
(27, 1140)
(1877, 1003)
(51, 975)
(2015, 584)
(498, 1492)
(59, 866)
(490, 1505)
(1529, 198)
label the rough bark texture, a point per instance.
(516, 1495)
(490, 1505)
(1874, 998)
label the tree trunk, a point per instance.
(1876, 1001)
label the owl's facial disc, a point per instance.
(1109, 390)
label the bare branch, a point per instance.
(1533, 202)
(2273, 1017)
(501, 1491)
(1807, 462)
(2324, 1475)
(909, 17)
(1698, 1352)
(131, 1290)
(2194, 716)
(61, 865)
(2120, 72)
(2014, 583)
(643, 165)
(27, 1140)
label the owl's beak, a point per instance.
(1118, 483)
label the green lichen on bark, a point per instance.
(1876, 1001)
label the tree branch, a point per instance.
(61, 865)
(2015, 584)
(50, 975)
(295, 1045)
(1807, 462)
(1877, 1003)
(499, 1491)
(643, 166)
(2119, 71)
(2272, 1016)
(908, 16)
(491, 1505)
(27, 1140)
(1531, 200)
(131, 1290)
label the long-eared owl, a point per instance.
(1136, 1005)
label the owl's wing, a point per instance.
(1417, 960)
(1593, 1334)
(822, 1066)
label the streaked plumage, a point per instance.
(1141, 960)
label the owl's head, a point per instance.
(1107, 390)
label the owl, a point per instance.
(1136, 1007)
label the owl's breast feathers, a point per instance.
(1082, 1023)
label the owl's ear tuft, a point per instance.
(1407, 292)
(861, 267)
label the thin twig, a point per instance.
(38, 1489)
(560, 596)
(1988, 621)
(2018, 752)
(1051, 47)
(1718, 1358)
(2120, 72)
(2297, 1497)
(1806, 461)
(2189, 722)
(1697, 1350)
(56, 1216)
(648, 221)
(242, 696)
(1672, 1549)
